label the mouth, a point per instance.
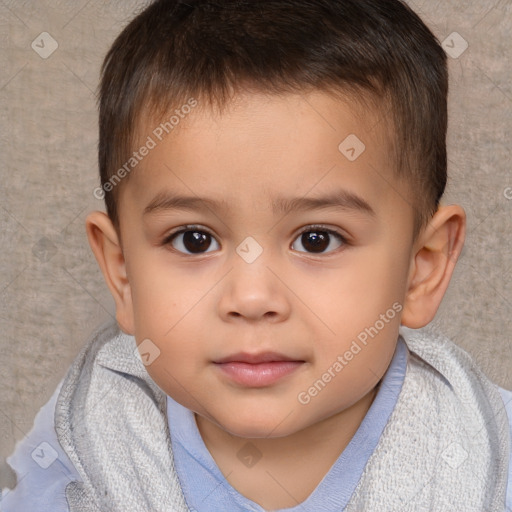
(257, 370)
(261, 357)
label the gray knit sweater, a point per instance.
(445, 447)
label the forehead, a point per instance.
(260, 148)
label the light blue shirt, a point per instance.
(44, 470)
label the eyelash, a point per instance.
(312, 227)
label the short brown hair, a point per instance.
(177, 49)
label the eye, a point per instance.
(194, 240)
(317, 239)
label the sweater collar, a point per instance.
(121, 354)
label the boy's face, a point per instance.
(210, 293)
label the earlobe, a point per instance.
(434, 257)
(108, 252)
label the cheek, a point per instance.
(368, 284)
(182, 354)
(361, 307)
(169, 310)
(162, 294)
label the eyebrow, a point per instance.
(340, 199)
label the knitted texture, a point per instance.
(445, 447)
(110, 418)
(446, 444)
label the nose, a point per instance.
(254, 291)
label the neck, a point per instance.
(281, 479)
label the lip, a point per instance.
(257, 370)
(262, 357)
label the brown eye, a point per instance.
(318, 240)
(191, 241)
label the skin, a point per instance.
(198, 308)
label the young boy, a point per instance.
(272, 173)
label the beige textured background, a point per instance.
(51, 292)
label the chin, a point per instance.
(261, 427)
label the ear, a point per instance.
(434, 257)
(107, 249)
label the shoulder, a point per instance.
(506, 395)
(42, 468)
(470, 384)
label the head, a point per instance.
(309, 137)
